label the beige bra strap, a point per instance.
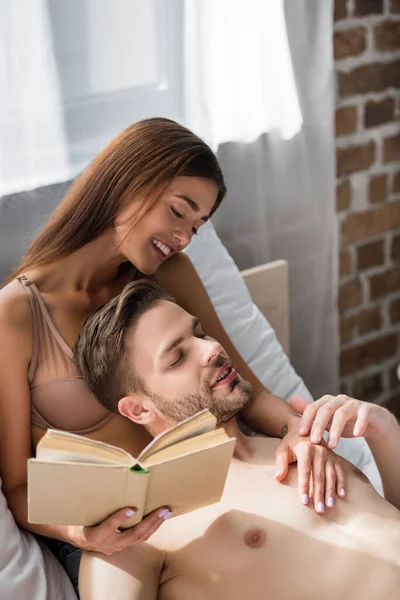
(36, 328)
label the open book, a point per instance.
(78, 481)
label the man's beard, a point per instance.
(177, 409)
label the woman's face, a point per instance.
(168, 227)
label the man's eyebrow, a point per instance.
(175, 343)
(193, 205)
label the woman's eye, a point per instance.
(176, 214)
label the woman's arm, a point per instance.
(16, 337)
(265, 413)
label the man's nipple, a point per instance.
(255, 537)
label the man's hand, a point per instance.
(319, 471)
(342, 416)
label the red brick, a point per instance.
(350, 42)
(396, 249)
(378, 188)
(355, 158)
(368, 7)
(369, 320)
(370, 255)
(346, 120)
(372, 77)
(345, 263)
(395, 311)
(340, 10)
(359, 226)
(368, 388)
(343, 196)
(396, 183)
(377, 113)
(395, 6)
(368, 353)
(391, 148)
(387, 36)
(347, 327)
(350, 295)
(385, 283)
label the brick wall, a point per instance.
(367, 64)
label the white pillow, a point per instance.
(28, 570)
(254, 337)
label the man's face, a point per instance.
(181, 369)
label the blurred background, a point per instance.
(301, 101)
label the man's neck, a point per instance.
(242, 450)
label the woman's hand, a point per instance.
(342, 416)
(319, 471)
(107, 538)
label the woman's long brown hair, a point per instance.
(138, 164)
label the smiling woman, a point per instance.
(136, 205)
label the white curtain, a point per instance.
(266, 67)
(233, 51)
(32, 142)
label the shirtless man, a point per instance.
(258, 541)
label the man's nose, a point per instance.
(211, 349)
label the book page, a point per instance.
(62, 446)
(188, 446)
(199, 423)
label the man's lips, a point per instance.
(231, 376)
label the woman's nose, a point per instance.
(183, 238)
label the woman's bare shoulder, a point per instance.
(15, 310)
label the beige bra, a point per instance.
(60, 398)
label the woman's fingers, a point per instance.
(304, 472)
(341, 416)
(340, 480)
(142, 531)
(319, 479)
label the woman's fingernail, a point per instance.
(315, 439)
(277, 473)
(303, 430)
(320, 507)
(343, 492)
(130, 512)
(331, 502)
(304, 499)
(165, 514)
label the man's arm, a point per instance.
(132, 574)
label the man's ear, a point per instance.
(133, 408)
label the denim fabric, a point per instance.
(69, 556)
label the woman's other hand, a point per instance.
(342, 416)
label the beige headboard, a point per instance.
(269, 288)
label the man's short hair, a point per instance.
(101, 351)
